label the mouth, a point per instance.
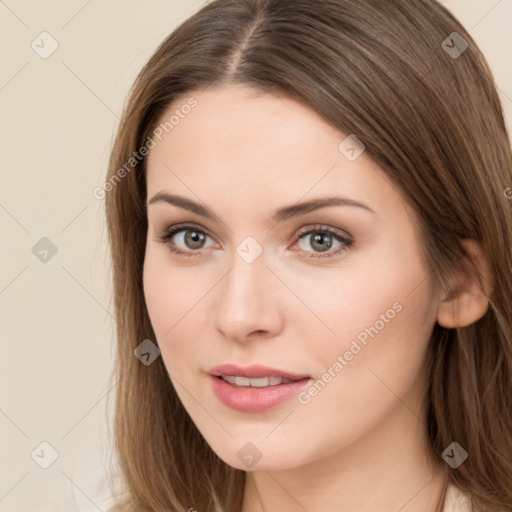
(256, 388)
(255, 374)
(262, 382)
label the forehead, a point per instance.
(261, 148)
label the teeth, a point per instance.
(255, 383)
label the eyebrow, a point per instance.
(279, 215)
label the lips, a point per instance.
(254, 372)
(255, 399)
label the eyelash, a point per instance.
(172, 230)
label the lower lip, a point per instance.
(255, 399)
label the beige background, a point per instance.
(58, 118)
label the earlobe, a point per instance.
(468, 299)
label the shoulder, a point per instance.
(456, 500)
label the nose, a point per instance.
(249, 301)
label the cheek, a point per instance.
(176, 300)
(382, 317)
(167, 291)
(380, 293)
(160, 303)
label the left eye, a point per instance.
(322, 240)
(193, 238)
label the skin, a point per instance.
(361, 441)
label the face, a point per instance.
(337, 294)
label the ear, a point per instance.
(468, 298)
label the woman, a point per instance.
(257, 373)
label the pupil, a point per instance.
(193, 236)
(321, 239)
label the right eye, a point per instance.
(190, 236)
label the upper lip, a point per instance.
(254, 372)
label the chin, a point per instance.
(261, 455)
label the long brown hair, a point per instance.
(427, 109)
